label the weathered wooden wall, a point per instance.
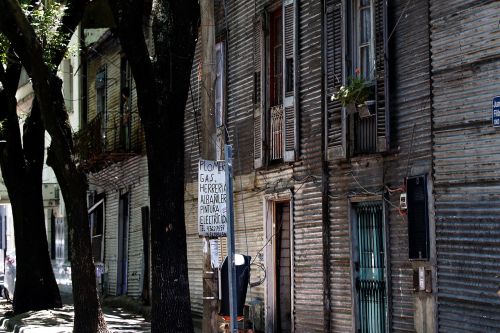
(465, 74)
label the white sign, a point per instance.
(212, 198)
(214, 252)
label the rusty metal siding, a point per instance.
(465, 70)
(410, 117)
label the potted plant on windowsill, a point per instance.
(356, 97)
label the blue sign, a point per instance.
(496, 111)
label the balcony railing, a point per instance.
(114, 138)
(276, 146)
(365, 134)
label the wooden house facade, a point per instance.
(369, 222)
(371, 161)
(111, 150)
(270, 110)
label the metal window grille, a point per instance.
(365, 134)
(370, 282)
(276, 132)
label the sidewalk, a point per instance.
(61, 320)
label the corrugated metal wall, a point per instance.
(124, 177)
(367, 176)
(308, 230)
(129, 175)
(465, 73)
(410, 113)
(303, 177)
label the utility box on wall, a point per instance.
(418, 218)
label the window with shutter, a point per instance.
(290, 60)
(356, 39)
(258, 95)
(276, 86)
(275, 116)
(101, 96)
(96, 223)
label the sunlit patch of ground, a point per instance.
(61, 320)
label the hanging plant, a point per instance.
(355, 96)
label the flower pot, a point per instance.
(351, 108)
(367, 109)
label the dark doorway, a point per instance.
(122, 262)
(282, 296)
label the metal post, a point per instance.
(233, 294)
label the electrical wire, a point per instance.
(399, 19)
(269, 239)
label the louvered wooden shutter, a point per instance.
(290, 123)
(381, 84)
(337, 118)
(258, 95)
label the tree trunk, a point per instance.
(162, 89)
(171, 306)
(36, 287)
(73, 182)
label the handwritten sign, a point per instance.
(212, 198)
